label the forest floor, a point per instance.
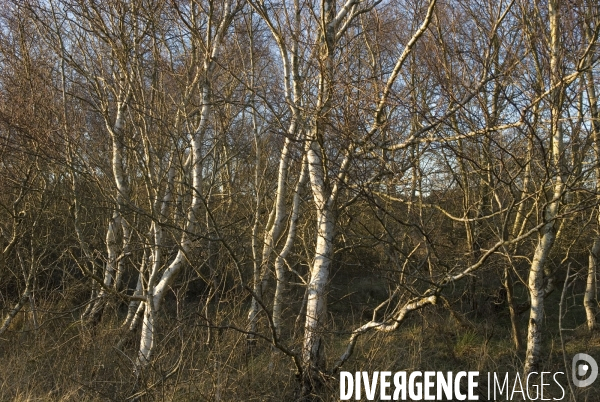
(64, 360)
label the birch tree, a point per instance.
(558, 178)
(285, 28)
(210, 47)
(325, 184)
(188, 158)
(108, 49)
(590, 298)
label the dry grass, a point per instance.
(67, 361)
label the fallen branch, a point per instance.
(384, 326)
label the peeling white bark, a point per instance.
(111, 251)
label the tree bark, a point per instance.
(589, 301)
(157, 283)
(548, 233)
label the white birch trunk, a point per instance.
(276, 221)
(133, 307)
(536, 294)
(111, 252)
(147, 336)
(134, 304)
(117, 161)
(324, 192)
(272, 234)
(97, 308)
(120, 270)
(548, 232)
(280, 271)
(158, 284)
(25, 297)
(313, 353)
(119, 172)
(589, 300)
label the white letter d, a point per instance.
(346, 378)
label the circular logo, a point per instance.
(584, 365)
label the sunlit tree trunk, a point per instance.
(548, 231)
(25, 297)
(159, 281)
(276, 222)
(589, 300)
(313, 353)
(280, 260)
(114, 261)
